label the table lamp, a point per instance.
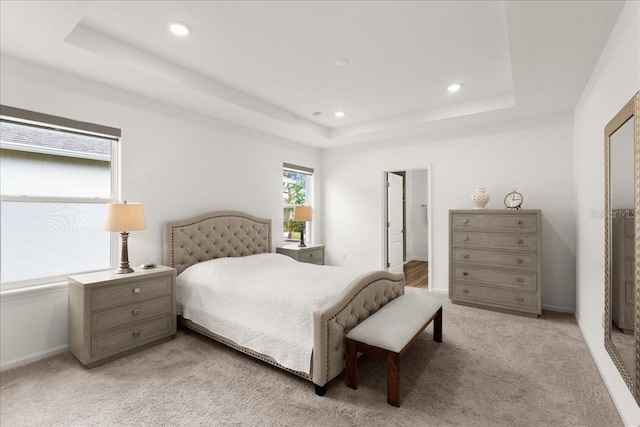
(124, 217)
(302, 214)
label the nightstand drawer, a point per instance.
(131, 337)
(315, 256)
(132, 291)
(121, 315)
(311, 254)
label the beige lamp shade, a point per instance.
(124, 217)
(302, 213)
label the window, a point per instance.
(297, 184)
(56, 177)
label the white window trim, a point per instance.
(30, 118)
(309, 234)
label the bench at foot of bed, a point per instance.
(389, 334)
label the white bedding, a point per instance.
(263, 302)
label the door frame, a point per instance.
(383, 228)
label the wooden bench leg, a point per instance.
(393, 379)
(437, 327)
(351, 379)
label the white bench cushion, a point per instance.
(393, 326)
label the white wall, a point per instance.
(615, 79)
(535, 157)
(177, 163)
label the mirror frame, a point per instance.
(630, 111)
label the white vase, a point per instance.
(480, 198)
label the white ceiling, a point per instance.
(269, 65)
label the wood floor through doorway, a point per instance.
(416, 274)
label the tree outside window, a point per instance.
(294, 192)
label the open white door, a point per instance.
(395, 226)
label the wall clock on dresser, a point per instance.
(495, 260)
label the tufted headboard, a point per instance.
(214, 235)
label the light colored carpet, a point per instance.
(492, 369)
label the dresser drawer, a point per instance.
(522, 281)
(629, 268)
(494, 258)
(131, 336)
(515, 223)
(315, 256)
(495, 297)
(629, 223)
(629, 315)
(128, 292)
(629, 246)
(121, 315)
(494, 240)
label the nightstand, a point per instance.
(313, 254)
(112, 315)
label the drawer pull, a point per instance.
(135, 333)
(520, 261)
(465, 238)
(520, 241)
(519, 299)
(465, 291)
(310, 255)
(135, 311)
(519, 221)
(465, 256)
(519, 279)
(465, 273)
(465, 221)
(136, 290)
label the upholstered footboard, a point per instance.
(333, 321)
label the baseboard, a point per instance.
(416, 259)
(558, 309)
(21, 361)
(613, 393)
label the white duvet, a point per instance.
(263, 302)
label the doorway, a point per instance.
(407, 225)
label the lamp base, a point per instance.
(302, 245)
(124, 255)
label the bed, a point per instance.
(217, 240)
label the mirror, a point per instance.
(622, 249)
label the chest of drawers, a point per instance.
(111, 315)
(495, 260)
(313, 254)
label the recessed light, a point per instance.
(454, 87)
(339, 114)
(179, 28)
(341, 62)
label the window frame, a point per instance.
(309, 172)
(56, 123)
